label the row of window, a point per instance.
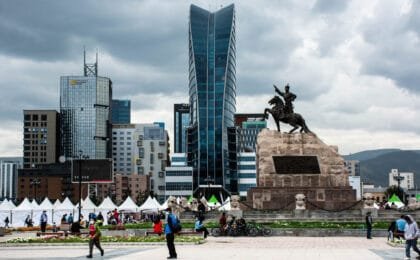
(35, 117)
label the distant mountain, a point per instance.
(370, 154)
(377, 168)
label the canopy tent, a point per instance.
(150, 205)
(65, 207)
(225, 206)
(48, 207)
(56, 203)
(164, 205)
(190, 199)
(20, 213)
(396, 201)
(107, 205)
(418, 197)
(213, 202)
(128, 205)
(6, 211)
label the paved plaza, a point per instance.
(226, 248)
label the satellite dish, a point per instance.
(62, 159)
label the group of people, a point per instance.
(406, 227)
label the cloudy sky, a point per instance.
(355, 65)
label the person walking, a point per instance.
(369, 222)
(94, 237)
(6, 222)
(170, 233)
(410, 234)
(43, 221)
(199, 226)
(70, 219)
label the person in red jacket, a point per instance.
(157, 226)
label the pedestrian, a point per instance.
(369, 222)
(43, 221)
(199, 226)
(94, 237)
(100, 218)
(64, 219)
(157, 226)
(6, 222)
(70, 219)
(411, 232)
(222, 222)
(170, 231)
(28, 221)
(400, 223)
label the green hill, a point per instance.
(376, 169)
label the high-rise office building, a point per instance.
(40, 137)
(248, 128)
(212, 93)
(121, 111)
(181, 123)
(141, 149)
(9, 177)
(85, 116)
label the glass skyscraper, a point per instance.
(85, 116)
(181, 123)
(212, 92)
(120, 111)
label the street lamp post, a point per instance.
(35, 182)
(81, 157)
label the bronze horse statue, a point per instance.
(293, 119)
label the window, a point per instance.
(35, 117)
(44, 117)
(152, 158)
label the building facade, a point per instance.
(9, 177)
(247, 172)
(142, 149)
(356, 184)
(212, 93)
(49, 180)
(249, 126)
(121, 111)
(178, 177)
(353, 167)
(181, 123)
(406, 179)
(40, 137)
(85, 116)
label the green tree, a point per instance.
(141, 197)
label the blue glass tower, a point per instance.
(212, 91)
(120, 111)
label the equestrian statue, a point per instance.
(283, 111)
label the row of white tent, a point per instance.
(18, 214)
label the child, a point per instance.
(95, 236)
(157, 226)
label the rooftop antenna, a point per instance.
(89, 69)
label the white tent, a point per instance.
(225, 206)
(128, 205)
(150, 205)
(56, 203)
(48, 207)
(87, 204)
(65, 207)
(6, 211)
(107, 205)
(164, 205)
(20, 213)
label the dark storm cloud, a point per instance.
(394, 46)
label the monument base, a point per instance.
(276, 198)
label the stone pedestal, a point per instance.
(326, 187)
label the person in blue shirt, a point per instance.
(400, 223)
(170, 234)
(199, 226)
(43, 221)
